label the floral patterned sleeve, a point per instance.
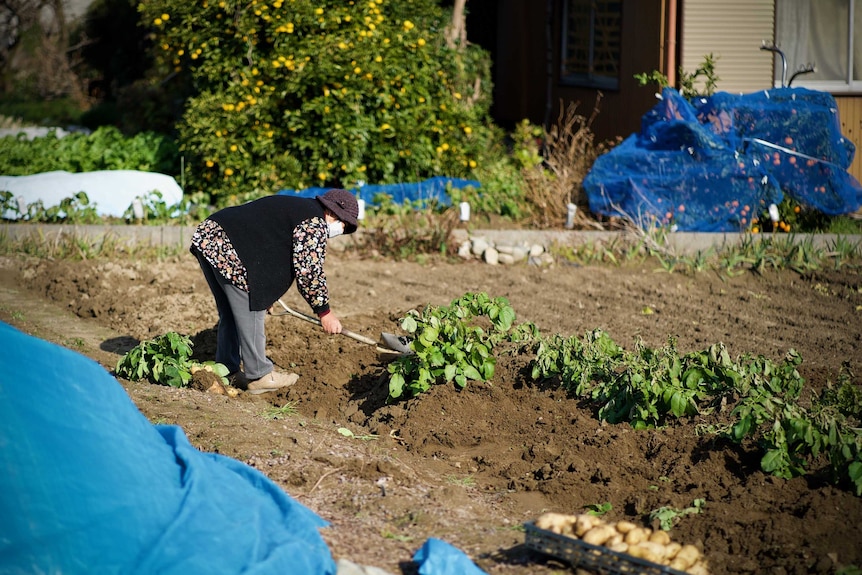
(309, 253)
(211, 241)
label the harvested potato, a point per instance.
(671, 549)
(660, 537)
(642, 552)
(686, 557)
(627, 537)
(616, 538)
(657, 549)
(584, 523)
(599, 534)
(558, 523)
(625, 526)
(637, 535)
(698, 569)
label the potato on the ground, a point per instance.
(686, 557)
(625, 526)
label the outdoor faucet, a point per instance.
(773, 48)
(806, 69)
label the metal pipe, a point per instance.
(671, 42)
(773, 48)
(850, 48)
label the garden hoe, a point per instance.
(390, 344)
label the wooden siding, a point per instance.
(621, 110)
(733, 31)
(850, 116)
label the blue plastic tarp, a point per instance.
(715, 164)
(435, 189)
(89, 485)
(436, 557)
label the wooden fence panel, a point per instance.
(850, 116)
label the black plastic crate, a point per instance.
(591, 557)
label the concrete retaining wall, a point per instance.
(178, 236)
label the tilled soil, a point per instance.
(471, 466)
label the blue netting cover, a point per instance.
(435, 188)
(713, 164)
(89, 485)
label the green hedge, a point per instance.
(104, 149)
(299, 93)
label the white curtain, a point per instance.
(816, 32)
(857, 40)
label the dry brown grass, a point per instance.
(408, 234)
(570, 148)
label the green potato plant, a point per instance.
(667, 516)
(649, 388)
(166, 360)
(449, 345)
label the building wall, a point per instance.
(850, 116)
(733, 31)
(527, 67)
(620, 111)
(521, 64)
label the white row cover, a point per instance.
(111, 192)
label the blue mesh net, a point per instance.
(714, 164)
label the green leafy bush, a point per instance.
(299, 93)
(104, 149)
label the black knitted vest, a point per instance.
(262, 233)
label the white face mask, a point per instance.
(335, 228)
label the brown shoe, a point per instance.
(272, 381)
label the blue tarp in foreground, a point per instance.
(715, 163)
(89, 485)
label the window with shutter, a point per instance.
(591, 43)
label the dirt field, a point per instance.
(471, 467)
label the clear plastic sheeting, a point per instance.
(714, 164)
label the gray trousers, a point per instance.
(241, 332)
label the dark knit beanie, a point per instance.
(345, 207)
